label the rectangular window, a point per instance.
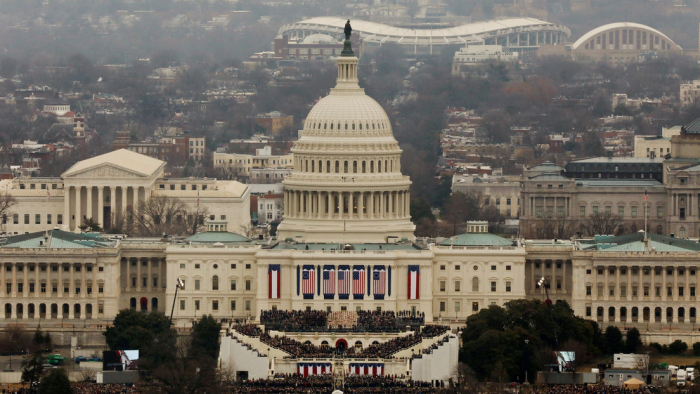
(493, 286)
(582, 212)
(26, 218)
(608, 210)
(155, 281)
(15, 218)
(20, 287)
(196, 284)
(247, 266)
(458, 306)
(100, 308)
(43, 288)
(538, 211)
(612, 292)
(669, 291)
(48, 219)
(475, 306)
(54, 288)
(659, 212)
(247, 285)
(507, 287)
(215, 305)
(595, 209)
(196, 305)
(588, 290)
(233, 305)
(247, 305)
(233, 266)
(442, 285)
(588, 311)
(621, 211)
(457, 285)
(442, 306)
(680, 291)
(692, 291)
(233, 284)
(31, 287)
(37, 218)
(59, 218)
(560, 211)
(100, 288)
(634, 212)
(182, 305)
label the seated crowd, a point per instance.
(324, 384)
(96, 388)
(295, 348)
(599, 389)
(315, 320)
(295, 320)
(250, 330)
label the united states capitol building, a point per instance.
(346, 244)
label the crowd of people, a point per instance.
(349, 321)
(339, 320)
(250, 330)
(95, 388)
(377, 321)
(297, 349)
(323, 384)
(578, 389)
(295, 320)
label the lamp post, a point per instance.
(179, 285)
(527, 341)
(543, 283)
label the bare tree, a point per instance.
(194, 219)
(6, 204)
(159, 215)
(601, 224)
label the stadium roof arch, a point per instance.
(515, 33)
(620, 25)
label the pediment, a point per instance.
(105, 171)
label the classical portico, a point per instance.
(108, 186)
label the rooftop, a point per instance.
(692, 127)
(121, 158)
(476, 239)
(616, 182)
(57, 239)
(210, 237)
(635, 243)
(617, 25)
(621, 160)
(335, 246)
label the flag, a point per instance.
(646, 195)
(329, 282)
(308, 279)
(358, 282)
(273, 280)
(344, 283)
(312, 369)
(413, 282)
(379, 282)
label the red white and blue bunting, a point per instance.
(307, 369)
(372, 369)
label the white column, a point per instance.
(66, 208)
(78, 211)
(122, 210)
(361, 206)
(112, 204)
(351, 204)
(341, 209)
(88, 212)
(100, 205)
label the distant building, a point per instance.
(270, 208)
(176, 150)
(617, 168)
(273, 122)
(620, 43)
(654, 146)
(621, 99)
(242, 165)
(474, 54)
(502, 192)
(311, 47)
(689, 92)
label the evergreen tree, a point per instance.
(56, 382)
(205, 338)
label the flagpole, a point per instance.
(646, 196)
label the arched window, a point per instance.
(354, 167)
(154, 304)
(364, 169)
(475, 283)
(345, 167)
(611, 313)
(215, 282)
(371, 167)
(358, 345)
(328, 166)
(669, 314)
(379, 166)
(337, 167)
(313, 166)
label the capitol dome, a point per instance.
(346, 185)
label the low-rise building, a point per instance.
(655, 146)
(689, 92)
(242, 165)
(273, 122)
(502, 192)
(474, 54)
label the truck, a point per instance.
(681, 376)
(55, 359)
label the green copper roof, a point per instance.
(635, 243)
(692, 127)
(476, 239)
(57, 239)
(217, 236)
